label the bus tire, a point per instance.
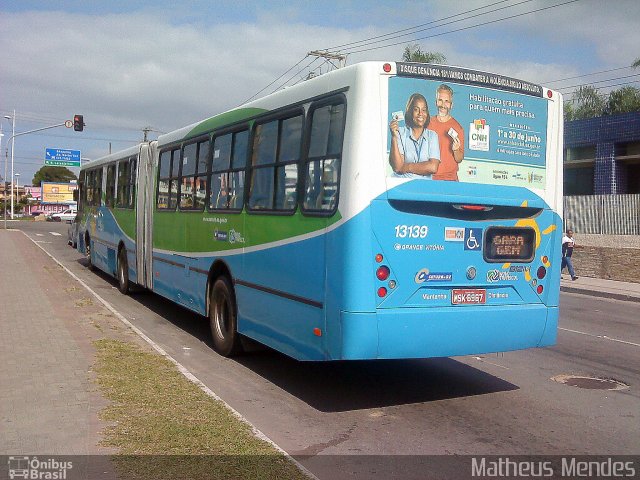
(123, 272)
(87, 249)
(223, 318)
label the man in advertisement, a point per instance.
(450, 135)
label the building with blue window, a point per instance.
(602, 155)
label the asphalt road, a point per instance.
(354, 419)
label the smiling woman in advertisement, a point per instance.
(415, 151)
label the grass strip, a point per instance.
(164, 426)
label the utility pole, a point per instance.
(341, 59)
(146, 131)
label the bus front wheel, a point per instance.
(87, 249)
(223, 318)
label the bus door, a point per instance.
(144, 212)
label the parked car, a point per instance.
(68, 215)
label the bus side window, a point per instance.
(187, 179)
(275, 157)
(123, 181)
(110, 193)
(219, 166)
(131, 190)
(164, 175)
(265, 142)
(322, 172)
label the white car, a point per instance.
(68, 215)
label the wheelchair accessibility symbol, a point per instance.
(473, 239)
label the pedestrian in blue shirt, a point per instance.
(415, 150)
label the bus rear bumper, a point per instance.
(446, 332)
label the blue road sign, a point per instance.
(60, 157)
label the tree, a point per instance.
(413, 53)
(623, 100)
(588, 102)
(636, 64)
(53, 174)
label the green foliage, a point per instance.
(413, 53)
(587, 102)
(53, 174)
(623, 100)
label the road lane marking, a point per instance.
(40, 234)
(604, 337)
(56, 234)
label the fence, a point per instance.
(603, 214)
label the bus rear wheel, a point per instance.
(223, 318)
(123, 272)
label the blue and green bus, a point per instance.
(288, 221)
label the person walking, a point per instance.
(568, 244)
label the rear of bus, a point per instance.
(472, 265)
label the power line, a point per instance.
(413, 28)
(601, 81)
(605, 86)
(391, 37)
(546, 82)
(263, 89)
(468, 27)
(296, 74)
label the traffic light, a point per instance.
(78, 123)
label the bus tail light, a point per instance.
(540, 289)
(382, 292)
(379, 258)
(383, 272)
(473, 208)
(542, 272)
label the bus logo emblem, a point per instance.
(453, 234)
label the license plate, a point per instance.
(464, 296)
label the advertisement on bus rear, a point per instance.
(460, 125)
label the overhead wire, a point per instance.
(364, 41)
(296, 74)
(467, 27)
(546, 82)
(391, 34)
(278, 78)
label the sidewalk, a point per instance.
(49, 402)
(599, 287)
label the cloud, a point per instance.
(130, 70)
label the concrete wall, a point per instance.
(612, 257)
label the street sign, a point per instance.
(68, 123)
(60, 157)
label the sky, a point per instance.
(126, 65)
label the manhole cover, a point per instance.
(590, 383)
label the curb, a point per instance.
(596, 293)
(182, 369)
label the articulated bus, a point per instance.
(289, 220)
